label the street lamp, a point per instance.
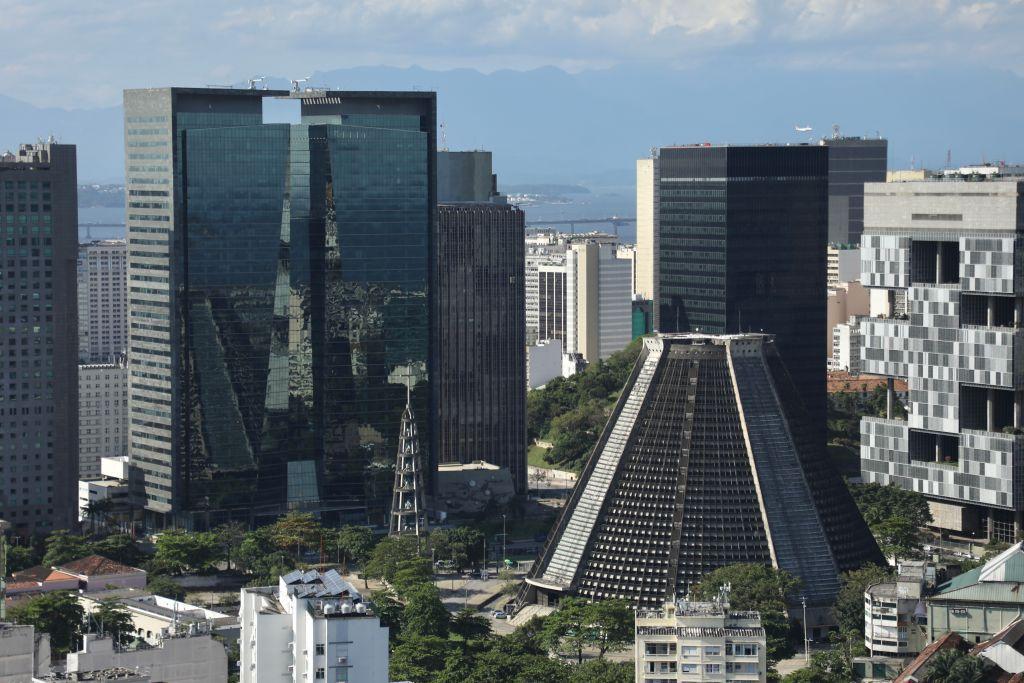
(807, 649)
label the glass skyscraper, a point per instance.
(278, 299)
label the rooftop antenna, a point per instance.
(444, 138)
(297, 81)
(949, 158)
(256, 80)
(835, 131)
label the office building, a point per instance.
(311, 626)
(598, 295)
(102, 301)
(852, 161)
(741, 245)
(894, 614)
(102, 415)
(699, 641)
(706, 461)
(39, 314)
(847, 342)
(278, 300)
(647, 234)
(480, 368)
(951, 248)
(545, 298)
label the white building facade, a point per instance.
(847, 341)
(102, 415)
(102, 301)
(699, 641)
(599, 294)
(312, 626)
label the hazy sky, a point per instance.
(72, 53)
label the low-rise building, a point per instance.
(156, 618)
(23, 653)
(982, 602)
(311, 626)
(87, 574)
(894, 614)
(185, 659)
(699, 641)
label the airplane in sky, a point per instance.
(802, 129)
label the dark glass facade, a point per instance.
(742, 247)
(39, 339)
(299, 309)
(480, 374)
(851, 163)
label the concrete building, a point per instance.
(846, 300)
(23, 653)
(102, 300)
(598, 294)
(156, 618)
(102, 415)
(894, 614)
(39, 308)
(980, 603)
(311, 626)
(699, 641)
(843, 265)
(186, 659)
(952, 249)
(852, 161)
(545, 298)
(88, 574)
(275, 364)
(543, 362)
(647, 233)
(479, 369)
(847, 341)
(109, 500)
(741, 237)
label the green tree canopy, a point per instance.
(229, 537)
(111, 618)
(424, 613)
(121, 548)
(63, 547)
(388, 555)
(849, 607)
(295, 532)
(568, 629)
(879, 503)
(161, 584)
(419, 658)
(58, 614)
(611, 626)
(602, 671)
(353, 543)
(468, 625)
(180, 551)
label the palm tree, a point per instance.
(942, 665)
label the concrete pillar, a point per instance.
(889, 397)
(990, 311)
(938, 448)
(1016, 409)
(990, 410)
(938, 262)
(1018, 318)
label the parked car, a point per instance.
(499, 615)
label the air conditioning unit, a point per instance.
(342, 660)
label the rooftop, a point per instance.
(998, 580)
(96, 565)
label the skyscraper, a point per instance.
(480, 373)
(278, 298)
(38, 309)
(598, 294)
(740, 234)
(852, 161)
(707, 460)
(102, 301)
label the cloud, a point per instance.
(69, 53)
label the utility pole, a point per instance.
(504, 541)
(3, 569)
(807, 648)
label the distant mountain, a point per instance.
(549, 126)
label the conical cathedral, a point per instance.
(705, 461)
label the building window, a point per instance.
(320, 648)
(319, 674)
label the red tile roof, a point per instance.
(917, 668)
(96, 565)
(839, 381)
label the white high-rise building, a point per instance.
(312, 626)
(102, 301)
(647, 208)
(847, 341)
(102, 415)
(598, 293)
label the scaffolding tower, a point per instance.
(408, 511)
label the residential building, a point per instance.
(102, 415)
(847, 341)
(39, 311)
(706, 461)
(87, 574)
(920, 668)
(311, 626)
(108, 500)
(479, 370)
(699, 641)
(979, 603)
(598, 294)
(156, 618)
(543, 362)
(950, 248)
(102, 301)
(23, 653)
(741, 246)
(894, 614)
(846, 300)
(843, 265)
(852, 161)
(270, 374)
(186, 659)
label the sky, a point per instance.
(69, 53)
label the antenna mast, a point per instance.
(408, 509)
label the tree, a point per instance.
(468, 625)
(418, 658)
(163, 585)
(388, 554)
(121, 548)
(602, 671)
(611, 626)
(509, 582)
(229, 538)
(424, 613)
(574, 434)
(849, 607)
(63, 547)
(411, 574)
(111, 618)
(354, 544)
(879, 503)
(569, 628)
(942, 667)
(58, 614)
(259, 557)
(179, 551)
(295, 531)
(761, 588)
(20, 557)
(389, 611)
(968, 669)
(897, 538)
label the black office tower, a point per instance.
(39, 341)
(706, 461)
(852, 161)
(480, 372)
(278, 299)
(741, 248)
